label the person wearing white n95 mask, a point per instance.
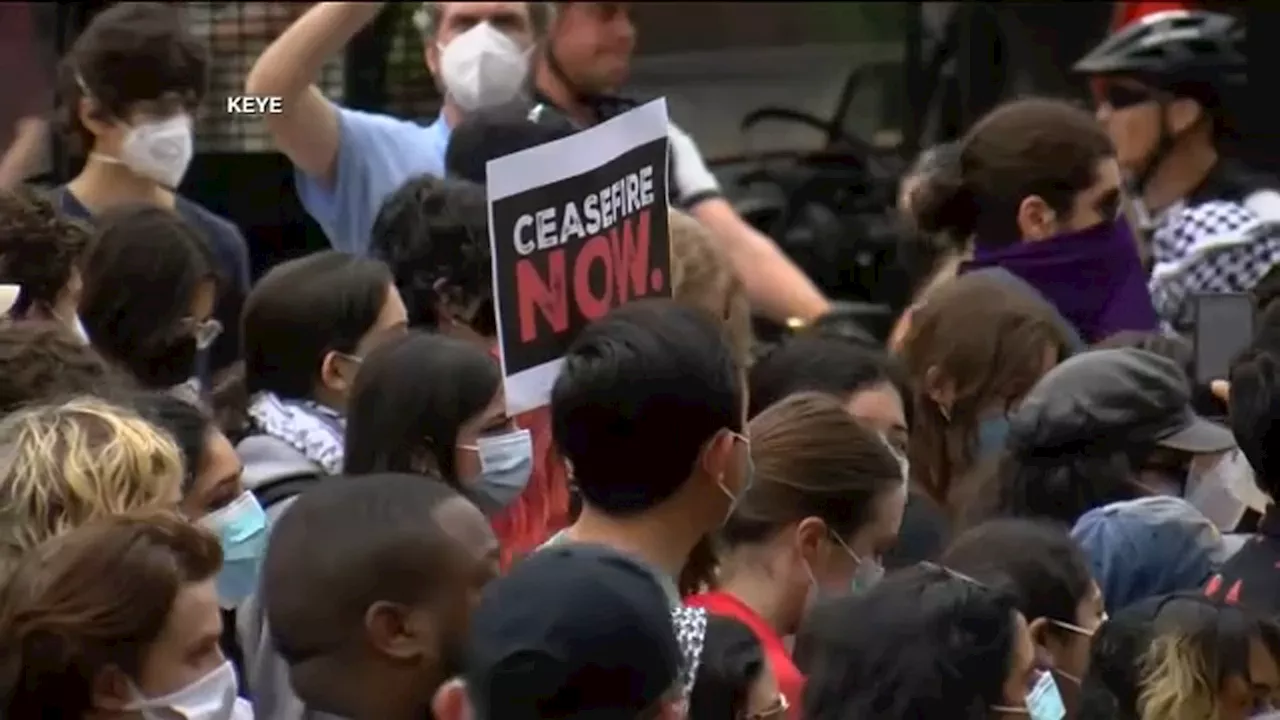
(483, 67)
(212, 697)
(159, 150)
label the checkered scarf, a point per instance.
(691, 632)
(1213, 247)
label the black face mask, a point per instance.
(169, 363)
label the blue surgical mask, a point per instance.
(991, 436)
(506, 464)
(868, 574)
(1044, 702)
(242, 528)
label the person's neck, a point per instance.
(451, 113)
(102, 185)
(330, 401)
(658, 537)
(1180, 172)
(364, 691)
(384, 705)
(746, 578)
(551, 85)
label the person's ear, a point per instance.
(716, 459)
(1182, 114)
(811, 538)
(397, 631)
(112, 690)
(941, 390)
(673, 709)
(337, 372)
(431, 53)
(1036, 220)
(451, 702)
(92, 116)
(1041, 631)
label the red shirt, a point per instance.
(542, 509)
(790, 681)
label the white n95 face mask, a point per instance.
(212, 697)
(483, 67)
(160, 150)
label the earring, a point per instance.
(944, 412)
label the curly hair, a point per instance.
(434, 234)
(66, 464)
(40, 361)
(39, 249)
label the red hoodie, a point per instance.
(542, 509)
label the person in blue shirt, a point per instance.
(132, 83)
(348, 161)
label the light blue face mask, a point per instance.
(869, 572)
(506, 464)
(242, 528)
(1044, 702)
(991, 436)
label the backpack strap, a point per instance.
(284, 488)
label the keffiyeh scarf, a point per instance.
(1213, 247)
(691, 633)
(310, 428)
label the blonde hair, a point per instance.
(1176, 681)
(62, 465)
(702, 276)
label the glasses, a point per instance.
(1119, 96)
(1070, 627)
(776, 709)
(204, 331)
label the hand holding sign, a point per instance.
(577, 227)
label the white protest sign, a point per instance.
(577, 227)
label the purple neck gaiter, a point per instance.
(1093, 277)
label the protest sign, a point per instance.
(577, 227)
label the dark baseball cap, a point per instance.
(490, 133)
(1113, 399)
(572, 631)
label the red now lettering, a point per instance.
(624, 253)
(545, 296)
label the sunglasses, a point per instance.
(1120, 95)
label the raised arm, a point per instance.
(307, 132)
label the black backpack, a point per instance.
(280, 489)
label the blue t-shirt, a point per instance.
(231, 253)
(376, 155)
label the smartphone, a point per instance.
(1224, 328)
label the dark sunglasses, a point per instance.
(1119, 96)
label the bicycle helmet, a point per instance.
(1174, 49)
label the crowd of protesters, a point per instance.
(303, 496)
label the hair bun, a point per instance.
(943, 203)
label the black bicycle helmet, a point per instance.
(1174, 49)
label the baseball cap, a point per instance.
(490, 133)
(572, 631)
(1147, 547)
(1123, 396)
